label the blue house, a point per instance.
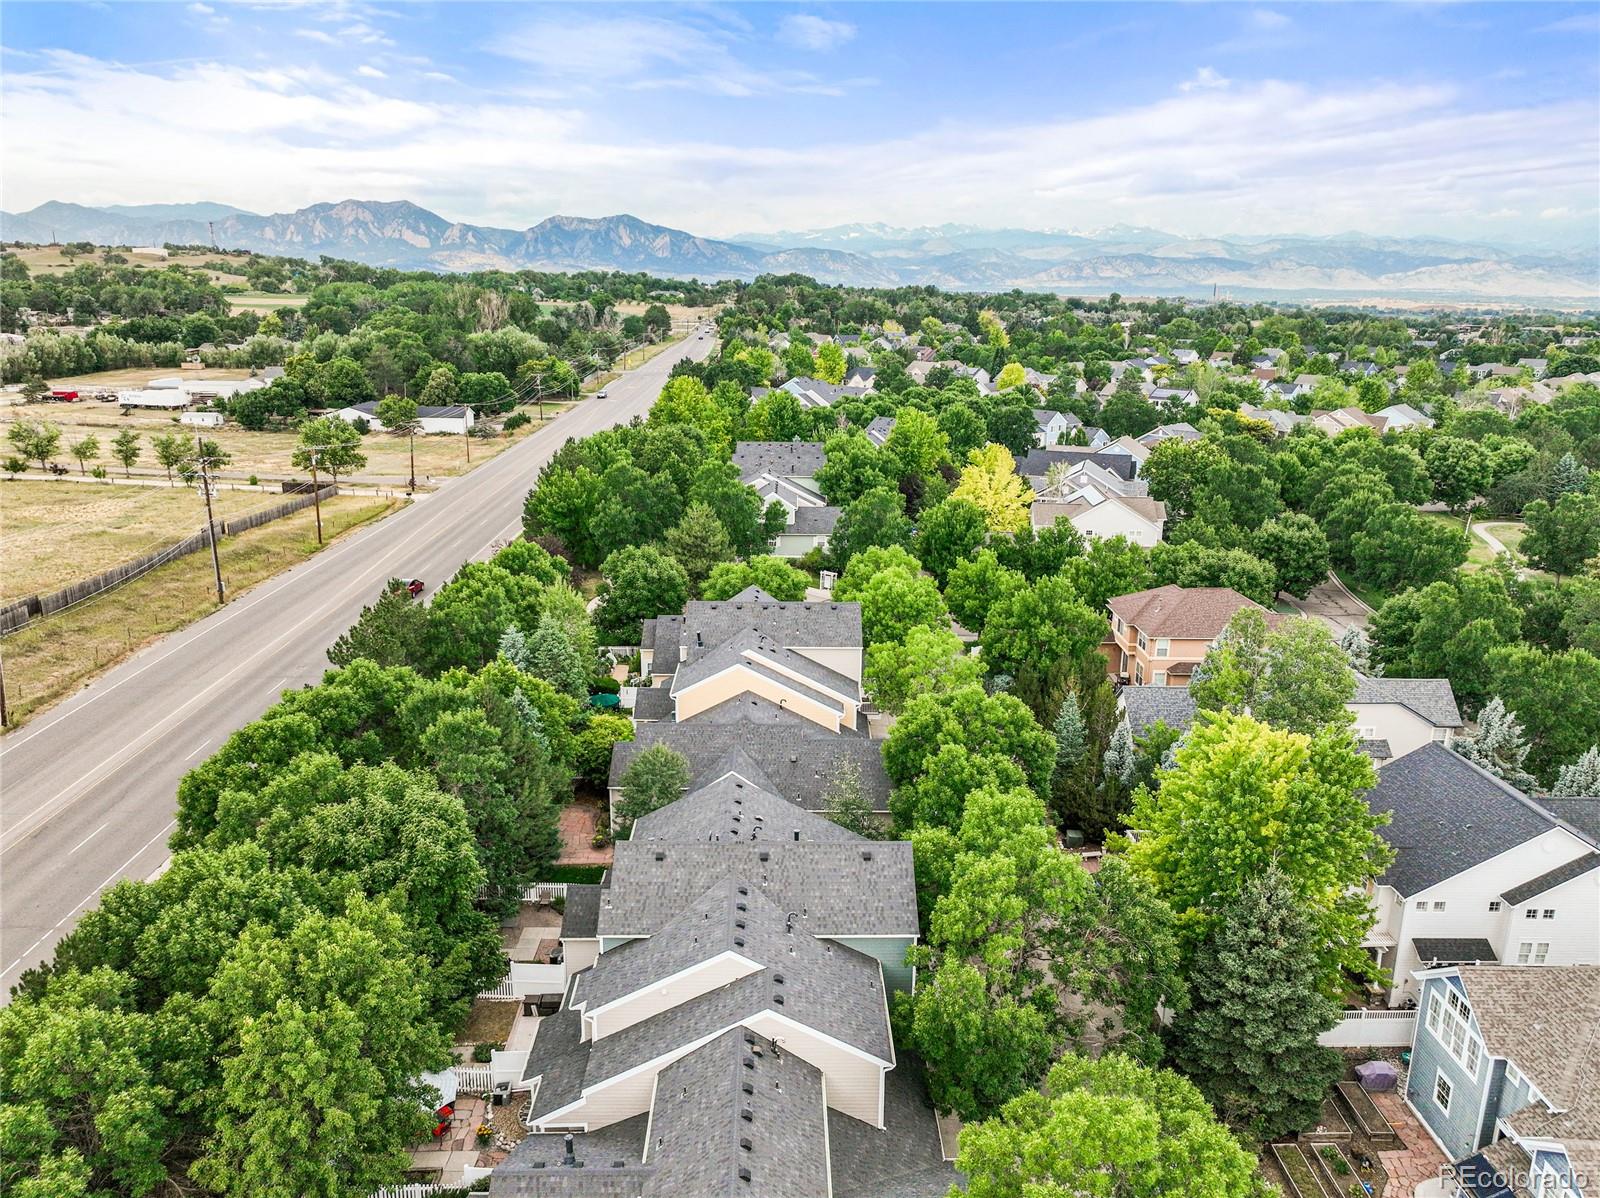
(1505, 1072)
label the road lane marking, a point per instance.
(197, 748)
(88, 838)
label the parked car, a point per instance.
(600, 394)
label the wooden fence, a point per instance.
(19, 613)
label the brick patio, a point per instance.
(1420, 1160)
(579, 819)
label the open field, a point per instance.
(140, 376)
(55, 533)
(266, 454)
(1478, 553)
(52, 657)
(48, 259)
(265, 301)
(1508, 532)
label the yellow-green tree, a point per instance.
(1011, 375)
(990, 483)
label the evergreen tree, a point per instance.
(515, 649)
(389, 632)
(1570, 477)
(1071, 739)
(1580, 779)
(1249, 1038)
(1500, 746)
(1357, 647)
(557, 660)
(1121, 757)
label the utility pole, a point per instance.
(5, 718)
(211, 524)
(316, 493)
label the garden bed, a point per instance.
(1340, 1175)
(1331, 1124)
(1302, 1177)
(1368, 1117)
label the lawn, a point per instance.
(1509, 532)
(1478, 553)
(50, 658)
(58, 532)
(265, 454)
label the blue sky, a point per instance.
(1462, 120)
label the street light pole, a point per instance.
(211, 524)
(316, 493)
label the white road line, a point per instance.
(115, 876)
(197, 749)
(88, 838)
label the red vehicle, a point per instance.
(64, 395)
(414, 587)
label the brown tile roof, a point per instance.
(1183, 613)
(1547, 1022)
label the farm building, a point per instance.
(455, 418)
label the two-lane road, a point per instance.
(88, 789)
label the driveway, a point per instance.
(1330, 602)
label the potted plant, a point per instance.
(485, 1135)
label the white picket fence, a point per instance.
(544, 892)
(1371, 1029)
(525, 978)
(415, 1189)
(474, 1079)
(506, 1066)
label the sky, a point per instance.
(1468, 121)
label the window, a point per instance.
(1549, 913)
(1138, 673)
(1143, 644)
(1450, 1021)
(1441, 1092)
(1438, 906)
(1422, 904)
(1513, 1075)
(1161, 678)
(1163, 646)
(1531, 913)
(1121, 627)
(1494, 904)
(1441, 735)
(1533, 952)
(1367, 732)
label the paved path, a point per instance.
(1419, 1159)
(1331, 602)
(88, 789)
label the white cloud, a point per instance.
(371, 72)
(1266, 18)
(1205, 79)
(317, 35)
(815, 33)
(201, 10)
(438, 76)
(1253, 157)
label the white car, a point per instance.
(600, 394)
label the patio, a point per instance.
(580, 820)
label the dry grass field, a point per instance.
(265, 454)
(262, 302)
(54, 533)
(48, 259)
(52, 657)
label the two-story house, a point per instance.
(1097, 513)
(1159, 636)
(725, 1027)
(1482, 873)
(784, 472)
(1505, 1074)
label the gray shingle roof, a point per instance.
(1452, 950)
(755, 650)
(835, 887)
(1447, 816)
(1173, 705)
(1549, 880)
(825, 623)
(816, 521)
(879, 428)
(559, 1059)
(1430, 698)
(1582, 813)
(732, 809)
(802, 459)
(653, 703)
(902, 1160)
(1037, 462)
(699, 1122)
(794, 757)
(534, 1168)
(581, 914)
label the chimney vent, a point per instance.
(764, 855)
(866, 854)
(566, 1144)
(660, 856)
(744, 1142)
(748, 1088)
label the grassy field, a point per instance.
(267, 454)
(1509, 533)
(1478, 553)
(48, 259)
(52, 657)
(140, 376)
(58, 532)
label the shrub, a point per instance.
(484, 1052)
(606, 686)
(515, 421)
(583, 874)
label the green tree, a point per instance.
(1109, 567)
(1241, 796)
(174, 451)
(853, 466)
(917, 444)
(1499, 745)
(389, 632)
(1011, 375)
(877, 518)
(699, 542)
(772, 574)
(655, 777)
(1562, 538)
(1460, 469)
(976, 722)
(36, 441)
(1297, 549)
(1191, 564)
(85, 449)
(1448, 629)
(554, 657)
(1109, 1127)
(340, 383)
(1249, 1038)
(329, 446)
(1399, 547)
(844, 800)
(830, 363)
(949, 533)
(717, 485)
(895, 601)
(976, 584)
(1581, 779)
(640, 583)
(591, 748)
(1294, 676)
(125, 448)
(990, 483)
(927, 661)
(1040, 635)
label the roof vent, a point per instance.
(746, 1113)
(749, 1062)
(739, 923)
(744, 1142)
(660, 856)
(741, 906)
(738, 941)
(764, 855)
(866, 854)
(619, 1164)
(778, 978)
(797, 835)
(777, 999)
(744, 890)
(744, 1175)
(748, 1088)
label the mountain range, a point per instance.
(1133, 260)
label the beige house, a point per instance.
(1136, 517)
(1159, 636)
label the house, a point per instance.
(1505, 1074)
(1539, 366)
(1173, 397)
(796, 460)
(1389, 716)
(1135, 449)
(879, 429)
(1159, 635)
(1051, 427)
(1482, 874)
(1221, 358)
(814, 393)
(1361, 367)
(1402, 416)
(1337, 421)
(1036, 463)
(451, 418)
(1136, 517)
(1283, 423)
(1185, 357)
(809, 528)
(725, 1028)
(784, 472)
(1182, 431)
(861, 376)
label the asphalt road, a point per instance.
(88, 789)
